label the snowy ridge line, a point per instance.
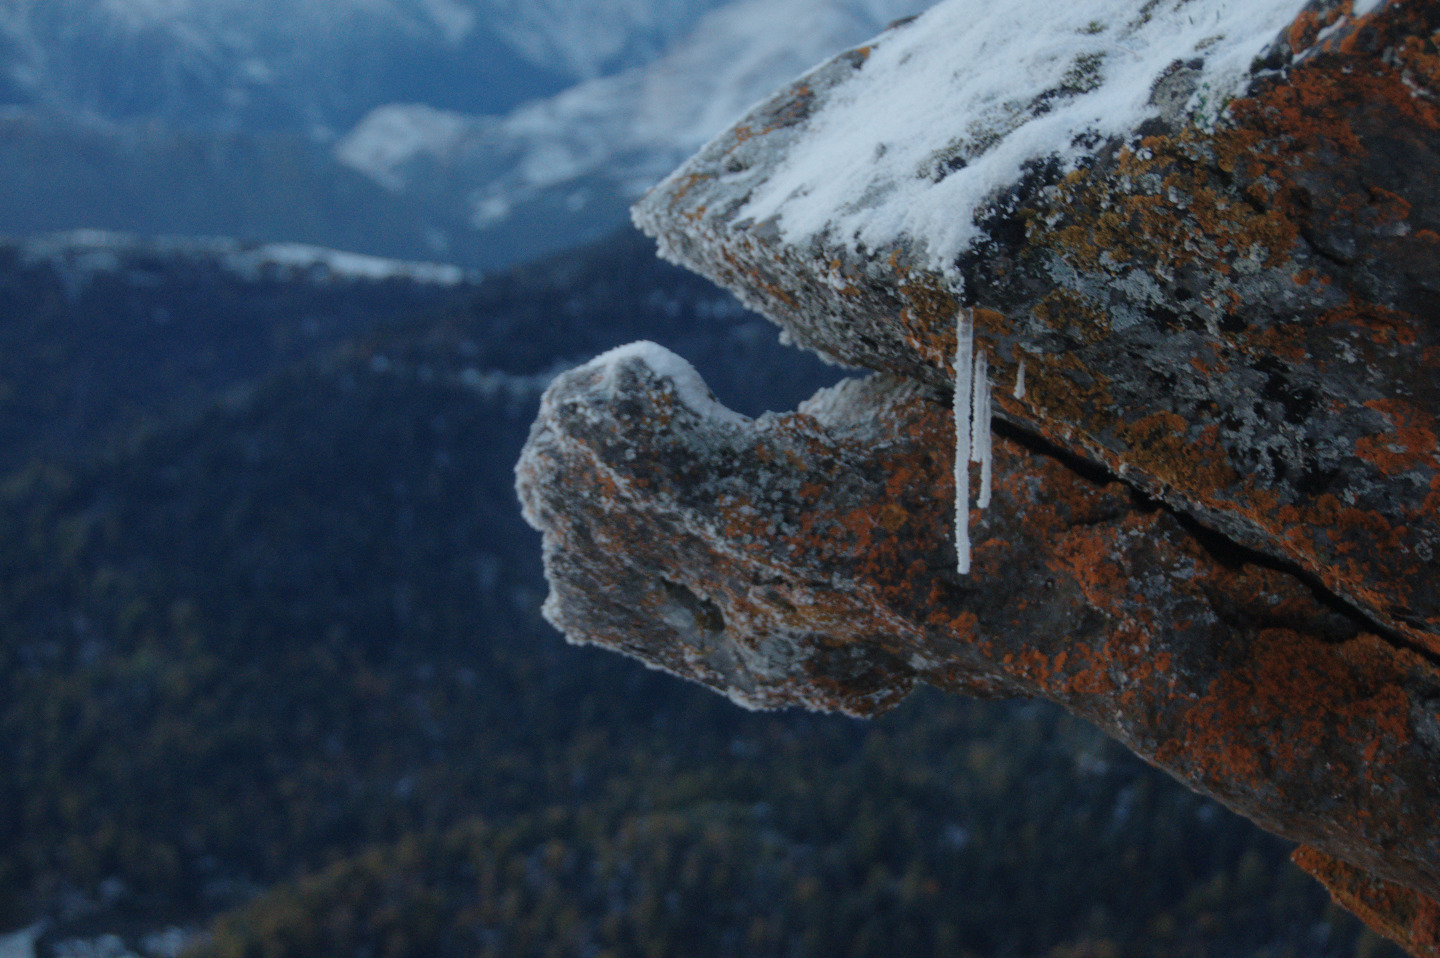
(624, 131)
(101, 251)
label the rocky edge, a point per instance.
(1199, 252)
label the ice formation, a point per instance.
(964, 336)
(972, 431)
(980, 425)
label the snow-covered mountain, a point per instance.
(475, 131)
(317, 65)
(611, 137)
(78, 257)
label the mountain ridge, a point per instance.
(377, 136)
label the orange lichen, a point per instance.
(1292, 702)
(1164, 446)
(687, 183)
(1297, 149)
(1067, 311)
(1419, 62)
(1308, 24)
(1088, 555)
(1169, 210)
(928, 317)
(1061, 388)
(1403, 915)
(796, 107)
(1409, 444)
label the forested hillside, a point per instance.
(274, 675)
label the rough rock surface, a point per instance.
(1216, 499)
(806, 559)
(1400, 913)
(1237, 320)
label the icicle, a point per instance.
(980, 428)
(964, 377)
(979, 392)
(1020, 382)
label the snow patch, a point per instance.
(20, 944)
(690, 388)
(632, 128)
(251, 263)
(947, 111)
(591, 38)
(391, 136)
(454, 21)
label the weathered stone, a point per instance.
(808, 559)
(1216, 505)
(1239, 320)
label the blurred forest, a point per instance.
(272, 672)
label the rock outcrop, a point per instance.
(1209, 310)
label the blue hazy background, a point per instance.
(273, 677)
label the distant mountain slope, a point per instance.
(481, 132)
(291, 645)
(601, 143)
(303, 65)
(100, 333)
(103, 333)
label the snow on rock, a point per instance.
(393, 136)
(1205, 254)
(1171, 212)
(947, 111)
(662, 364)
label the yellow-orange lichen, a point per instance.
(1171, 211)
(928, 316)
(1307, 26)
(1164, 446)
(1062, 389)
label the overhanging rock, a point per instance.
(806, 560)
(1235, 313)
(1199, 243)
